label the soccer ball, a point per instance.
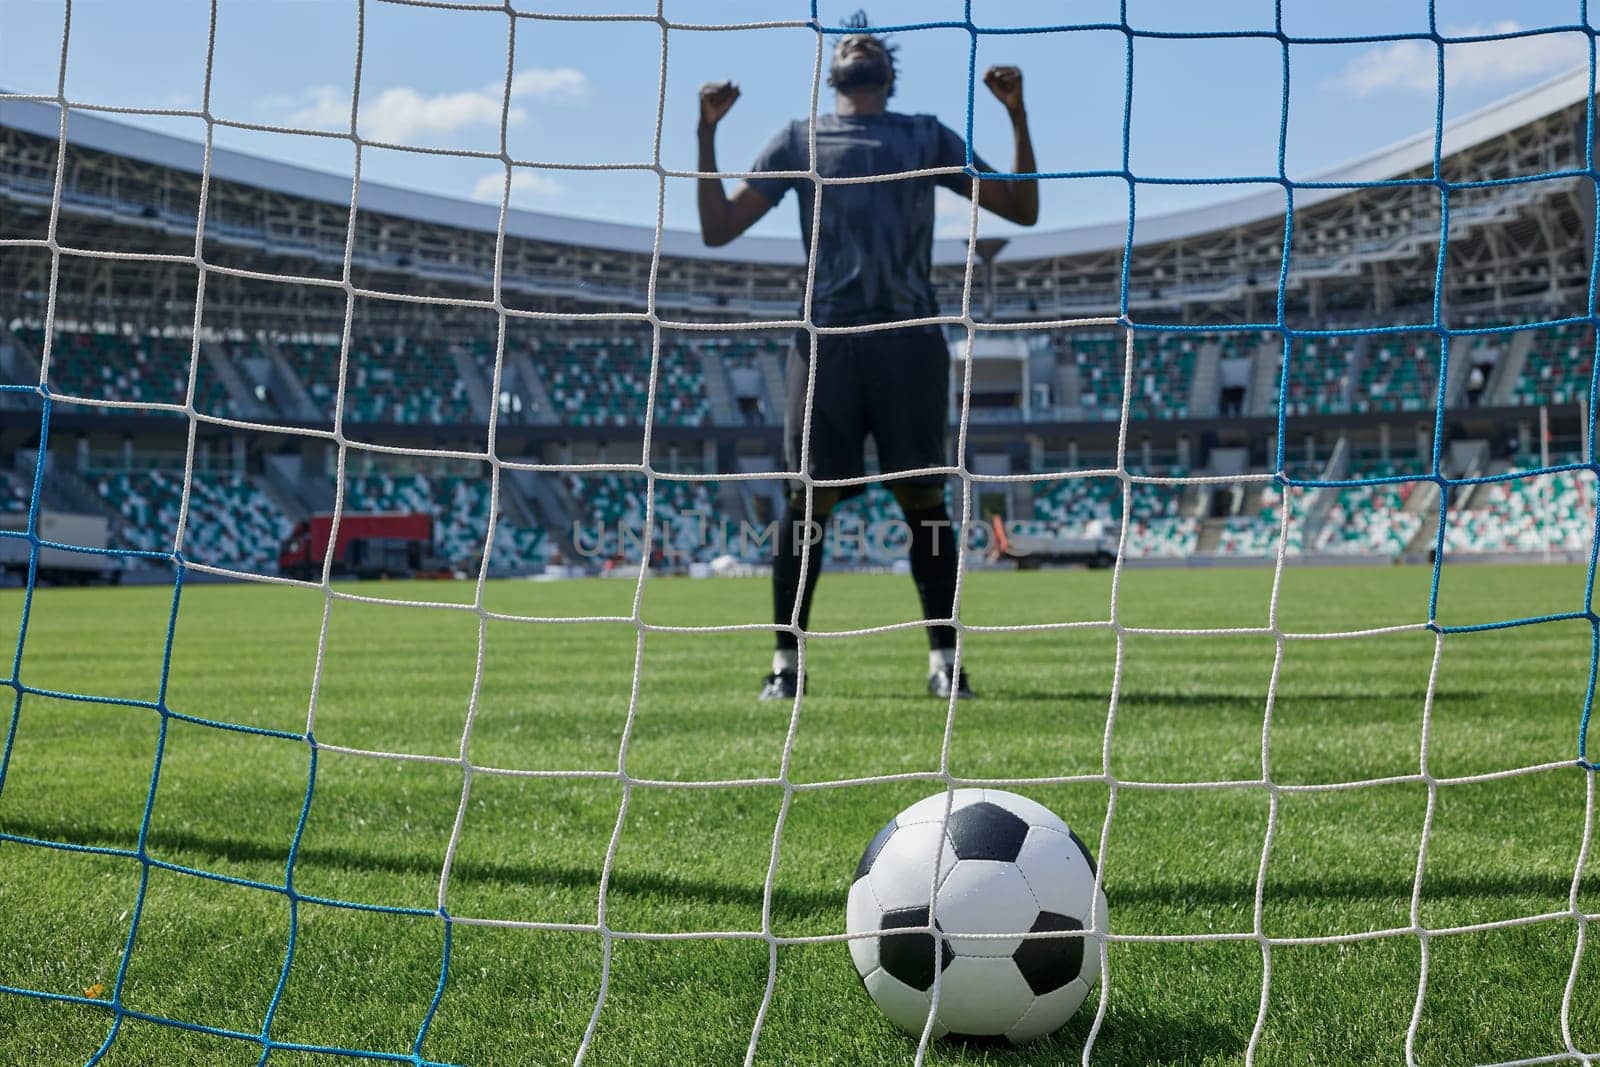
(1006, 865)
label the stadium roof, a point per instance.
(94, 132)
(1485, 124)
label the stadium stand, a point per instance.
(606, 381)
(754, 368)
(128, 365)
(1400, 373)
(1167, 538)
(683, 400)
(861, 531)
(232, 522)
(1525, 514)
(1300, 501)
(16, 493)
(1255, 531)
(1370, 520)
(397, 380)
(611, 512)
(1241, 346)
(1157, 528)
(406, 381)
(460, 507)
(1099, 362)
(316, 363)
(1558, 366)
(582, 365)
(1075, 502)
(744, 353)
(1163, 373)
(1319, 375)
(1248, 536)
(868, 530)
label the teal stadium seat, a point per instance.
(1319, 375)
(1099, 359)
(141, 368)
(461, 508)
(612, 507)
(232, 523)
(410, 381)
(861, 533)
(1526, 514)
(1370, 520)
(1163, 368)
(387, 381)
(1155, 531)
(606, 382)
(1558, 367)
(1400, 374)
(1257, 534)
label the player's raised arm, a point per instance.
(722, 219)
(1016, 200)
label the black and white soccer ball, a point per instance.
(1007, 865)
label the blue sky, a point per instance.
(588, 91)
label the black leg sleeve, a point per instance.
(786, 569)
(933, 568)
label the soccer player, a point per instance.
(873, 264)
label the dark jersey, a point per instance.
(875, 257)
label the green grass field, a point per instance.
(556, 696)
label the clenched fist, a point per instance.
(1006, 85)
(715, 100)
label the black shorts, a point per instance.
(892, 384)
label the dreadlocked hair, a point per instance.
(860, 21)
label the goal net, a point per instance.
(1137, 495)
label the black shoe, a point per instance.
(780, 685)
(939, 684)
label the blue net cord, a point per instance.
(1280, 325)
(120, 1012)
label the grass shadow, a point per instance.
(788, 899)
(705, 891)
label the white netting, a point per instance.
(963, 318)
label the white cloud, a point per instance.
(403, 115)
(952, 214)
(321, 107)
(1412, 66)
(546, 82)
(526, 186)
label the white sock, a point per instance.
(940, 659)
(785, 659)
